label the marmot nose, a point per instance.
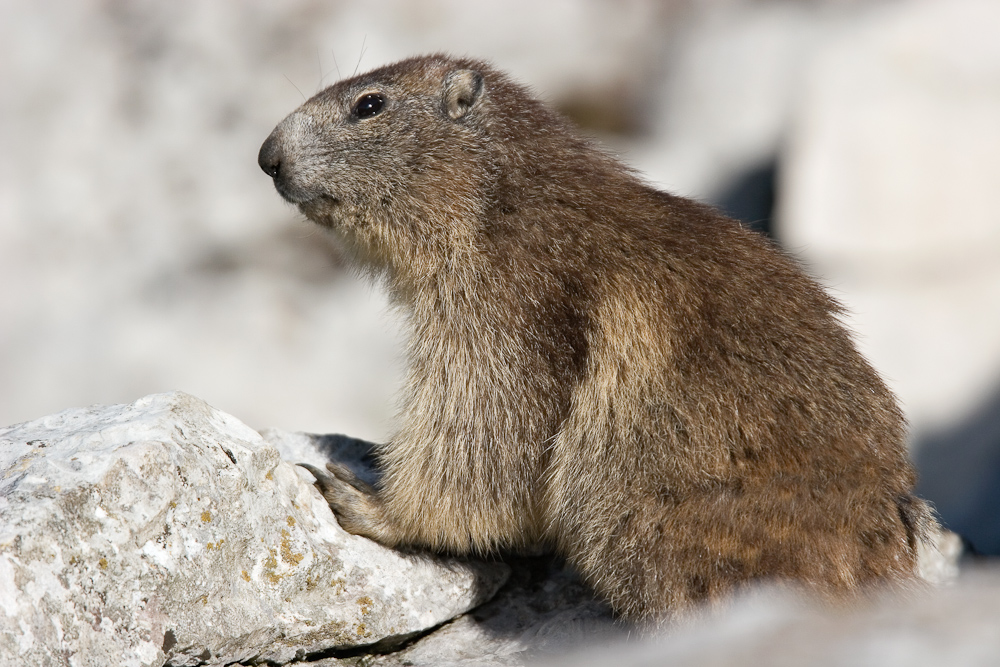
(270, 156)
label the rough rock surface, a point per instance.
(545, 610)
(166, 530)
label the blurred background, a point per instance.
(142, 250)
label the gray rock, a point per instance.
(356, 454)
(946, 625)
(166, 530)
(545, 610)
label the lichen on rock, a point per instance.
(166, 531)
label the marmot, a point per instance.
(625, 376)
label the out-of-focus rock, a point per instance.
(167, 530)
(949, 625)
(887, 192)
(894, 149)
(939, 557)
(727, 91)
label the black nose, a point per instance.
(270, 156)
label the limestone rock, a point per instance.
(546, 610)
(166, 530)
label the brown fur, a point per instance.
(621, 374)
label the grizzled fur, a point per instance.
(595, 366)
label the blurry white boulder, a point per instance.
(953, 625)
(729, 82)
(887, 190)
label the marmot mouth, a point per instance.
(318, 206)
(301, 196)
(290, 193)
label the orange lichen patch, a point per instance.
(366, 605)
(339, 585)
(286, 549)
(363, 631)
(291, 520)
(270, 564)
(246, 575)
(206, 516)
(103, 563)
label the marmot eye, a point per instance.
(368, 105)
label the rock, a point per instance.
(723, 106)
(939, 558)
(166, 530)
(356, 454)
(545, 613)
(544, 610)
(948, 625)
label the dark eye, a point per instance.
(368, 106)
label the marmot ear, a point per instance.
(462, 89)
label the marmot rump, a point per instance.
(627, 377)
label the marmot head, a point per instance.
(394, 153)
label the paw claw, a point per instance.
(344, 474)
(354, 502)
(316, 472)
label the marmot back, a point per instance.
(626, 376)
